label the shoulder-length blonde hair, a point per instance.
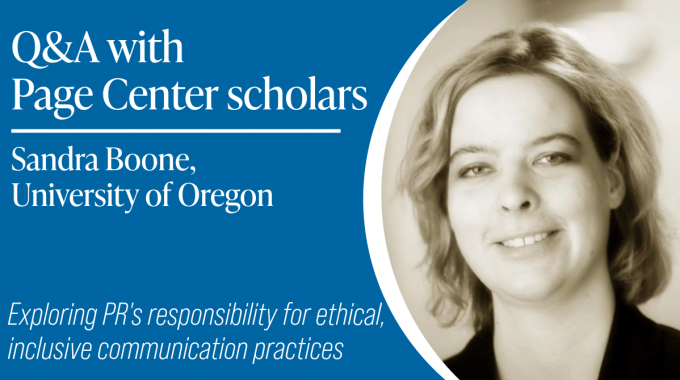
(620, 126)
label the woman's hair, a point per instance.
(623, 133)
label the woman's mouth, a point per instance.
(520, 242)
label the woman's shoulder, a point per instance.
(662, 338)
(666, 345)
(671, 334)
(640, 348)
(669, 341)
(477, 360)
(669, 337)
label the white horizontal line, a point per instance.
(175, 131)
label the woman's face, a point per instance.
(529, 199)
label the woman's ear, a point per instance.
(617, 184)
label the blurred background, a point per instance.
(640, 37)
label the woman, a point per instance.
(534, 175)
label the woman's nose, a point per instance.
(517, 192)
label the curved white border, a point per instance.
(375, 234)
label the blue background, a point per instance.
(310, 248)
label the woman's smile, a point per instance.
(531, 239)
(532, 253)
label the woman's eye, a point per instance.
(551, 159)
(474, 171)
